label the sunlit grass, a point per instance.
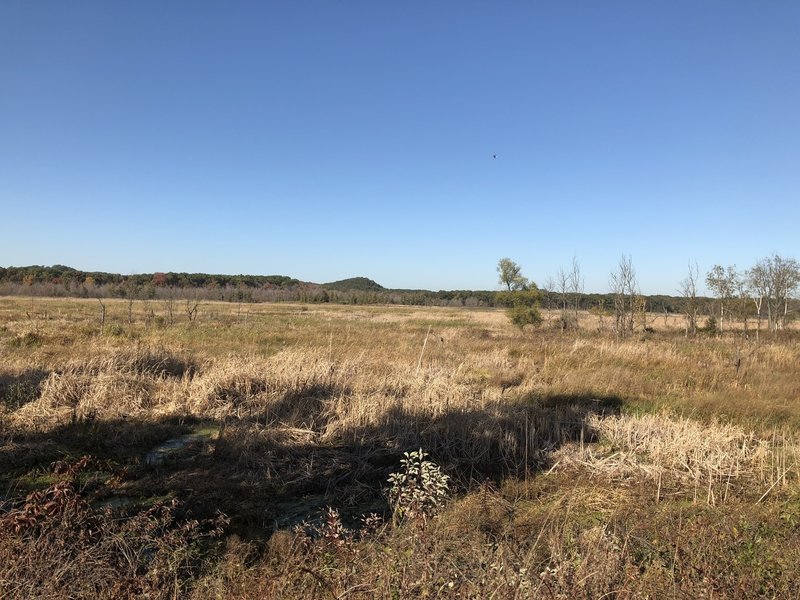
(567, 451)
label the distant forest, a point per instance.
(63, 281)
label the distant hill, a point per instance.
(361, 284)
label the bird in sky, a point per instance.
(494, 155)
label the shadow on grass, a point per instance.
(272, 476)
(18, 390)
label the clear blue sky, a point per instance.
(325, 140)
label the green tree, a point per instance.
(510, 275)
(522, 304)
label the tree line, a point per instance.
(67, 278)
(764, 291)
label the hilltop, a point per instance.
(361, 284)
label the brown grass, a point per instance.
(579, 462)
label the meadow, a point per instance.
(246, 450)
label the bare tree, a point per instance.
(775, 279)
(688, 289)
(549, 286)
(131, 292)
(722, 283)
(562, 286)
(785, 280)
(742, 293)
(191, 309)
(758, 281)
(576, 286)
(624, 287)
(169, 305)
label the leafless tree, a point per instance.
(785, 275)
(562, 287)
(191, 309)
(722, 283)
(624, 287)
(169, 305)
(576, 286)
(688, 289)
(130, 294)
(758, 280)
(775, 279)
(549, 286)
(742, 293)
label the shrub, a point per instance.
(54, 544)
(566, 322)
(522, 307)
(419, 490)
(521, 315)
(710, 327)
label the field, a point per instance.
(245, 451)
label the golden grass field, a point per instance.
(581, 466)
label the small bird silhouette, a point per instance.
(494, 155)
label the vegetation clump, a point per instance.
(419, 490)
(521, 296)
(522, 315)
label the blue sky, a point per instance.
(325, 140)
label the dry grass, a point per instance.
(559, 445)
(679, 456)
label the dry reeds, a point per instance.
(704, 458)
(124, 382)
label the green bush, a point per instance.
(521, 315)
(529, 297)
(419, 489)
(710, 328)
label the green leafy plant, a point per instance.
(521, 315)
(419, 489)
(522, 306)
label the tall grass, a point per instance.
(579, 463)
